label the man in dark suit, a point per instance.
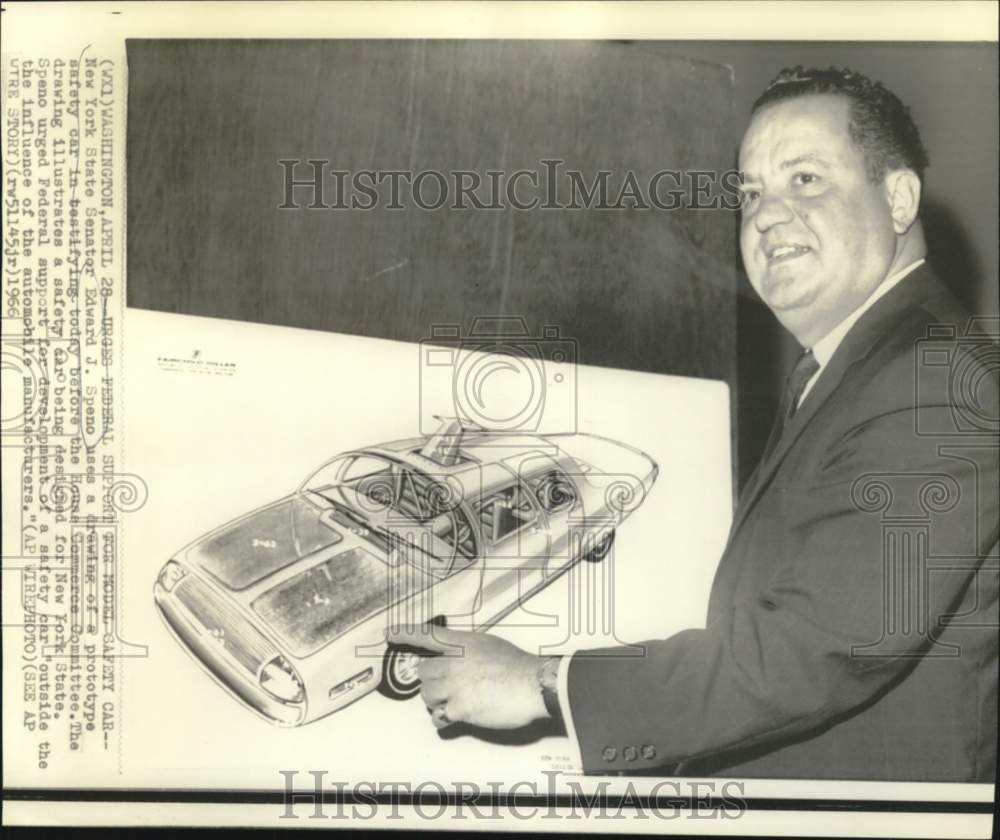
(852, 623)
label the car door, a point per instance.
(557, 496)
(449, 560)
(515, 539)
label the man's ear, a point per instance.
(902, 190)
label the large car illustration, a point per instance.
(287, 607)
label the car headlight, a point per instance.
(171, 574)
(278, 678)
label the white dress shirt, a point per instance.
(823, 350)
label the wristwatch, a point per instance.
(548, 681)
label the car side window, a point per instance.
(425, 500)
(453, 529)
(506, 512)
(372, 477)
(408, 499)
(553, 490)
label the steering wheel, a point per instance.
(463, 533)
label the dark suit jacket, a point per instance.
(852, 623)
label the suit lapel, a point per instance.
(857, 344)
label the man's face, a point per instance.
(817, 236)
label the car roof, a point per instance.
(489, 462)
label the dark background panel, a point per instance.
(209, 121)
(645, 290)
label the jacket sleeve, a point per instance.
(792, 655)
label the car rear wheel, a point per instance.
(399, 673)
(601, 549)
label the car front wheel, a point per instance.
(399, 673)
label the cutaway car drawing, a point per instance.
(287, 607)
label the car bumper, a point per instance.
(230, 672)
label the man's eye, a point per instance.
(750, 196)
(804, 178)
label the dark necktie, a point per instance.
(804, 370)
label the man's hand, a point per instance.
(476, 678)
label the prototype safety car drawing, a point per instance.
(288, 607)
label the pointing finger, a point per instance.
(433, 668)
(433, 694)
(430, 637)
(418, 637)
(439, 717)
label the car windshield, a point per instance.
(385, 502)
(318, 604)
(363, 471)
(250, 549)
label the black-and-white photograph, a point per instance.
(427, 422)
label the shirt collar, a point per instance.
(824, 349)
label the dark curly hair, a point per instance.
(879, 123)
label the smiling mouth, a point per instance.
(784, 253)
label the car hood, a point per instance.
(255, 546)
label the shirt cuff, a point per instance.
(562, 691)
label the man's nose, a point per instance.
(770, 212)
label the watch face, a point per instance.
(548, 673)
